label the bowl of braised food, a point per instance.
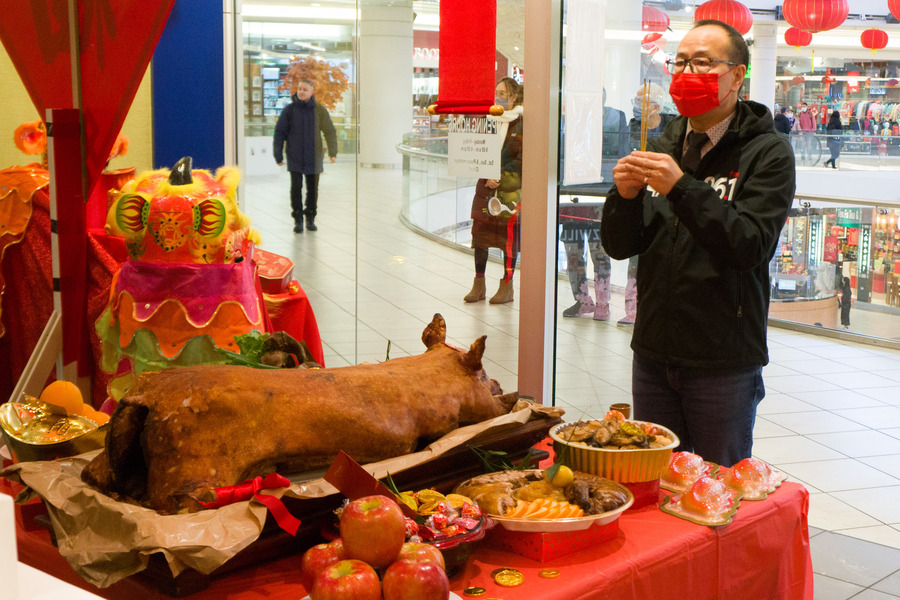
(623, 450)
(531, 500)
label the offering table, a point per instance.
(763, 553)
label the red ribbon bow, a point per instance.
(250, 489)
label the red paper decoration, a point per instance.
(727, 11)
(798, 80)
(654, 20)
(797, 37)
(467, 47)
(894, 7)
(653, 42)
(815, 15)
(873, 39)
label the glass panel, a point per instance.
(866, 96)
(821, 243)
(310, 42)
(373, 279)
(826, 247)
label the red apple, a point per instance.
(414, 551)
(373, 530)
(317, 559)
(415, 580)
(347, 580)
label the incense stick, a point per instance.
(645, 114)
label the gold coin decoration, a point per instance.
(474, 591)
(548, 573)
(508, 577)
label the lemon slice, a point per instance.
(457, 500)
(429, 501)
(408, 499)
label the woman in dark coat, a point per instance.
(489, 229)
(845, 302)
(302, 124)
(834, 129)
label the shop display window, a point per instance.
(268, 50)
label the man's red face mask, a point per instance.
(696, 93)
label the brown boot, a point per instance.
(478, 291)
(504, 293)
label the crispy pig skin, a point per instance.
(181, 433)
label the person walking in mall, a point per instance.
(782, 123)
(301, 125)
(703, 210)
(834, 130)
(495, 206)
(845, 302)
(807, 129)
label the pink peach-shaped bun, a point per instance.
(707, 498)
(749, 475)
(685, 468)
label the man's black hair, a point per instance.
(738, 51)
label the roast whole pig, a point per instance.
(180, 433)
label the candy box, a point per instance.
(546, 546)
(275, 271)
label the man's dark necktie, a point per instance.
(691, 159)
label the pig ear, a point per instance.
(435, 332)
(472, 359)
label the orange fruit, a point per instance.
(563, 476)
(64, 394)
(98, 417)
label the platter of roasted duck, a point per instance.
(529, 500)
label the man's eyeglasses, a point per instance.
(698, 64)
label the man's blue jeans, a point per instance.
(712, 411)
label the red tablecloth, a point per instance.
(764, 553)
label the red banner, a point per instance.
(116, 41)
(468, 48)
(831, 249)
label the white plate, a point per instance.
(559, 525)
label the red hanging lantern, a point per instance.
(797, 37)
(815, 15)
(894, 7)
(653, 42)
(731, 12)
(874, 39)
(654, 20)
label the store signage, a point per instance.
(473, 147)
(427, 53)
(853, 82)
(849, 217)
(865, 247)
(815, 239)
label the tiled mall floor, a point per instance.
(830, 419)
